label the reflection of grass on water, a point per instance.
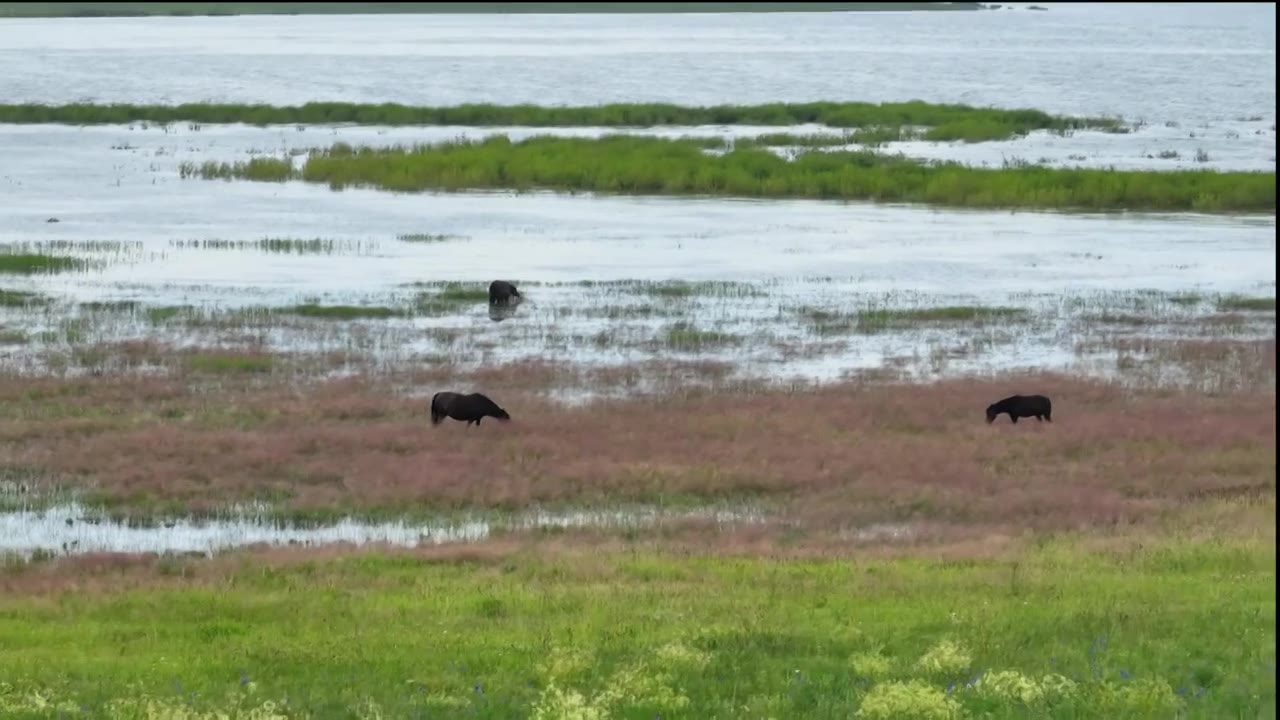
(685, 336)
(448, 297)
(112, 306)
(788, 140)
(229, 363)
(870, 320)
(426, 237)
(20, 298)
(1241, 302)
(343, 312)
(1186, 299)
(830, 322)
(37, 264)
(201, 317)
(679, 289)
(260, 169)
(1154, 303)
(299, 246)
(116, 247)
(617, 312)
(159, 315)
(464, 292)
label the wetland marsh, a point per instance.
(748, 473)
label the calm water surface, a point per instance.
(1161, 61)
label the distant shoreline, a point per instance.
(143, 9)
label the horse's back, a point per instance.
(477, 403)
(442, 401)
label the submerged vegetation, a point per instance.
(262, 169)
(877, 122)
(281, 245)
(656, 166)
(343, 312)
(19, 298)
(38, 263)
(1241, 302)
(873, 320)
(426, 237)
(1151, 338)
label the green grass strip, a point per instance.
(654, 166)
(880, 122)
(1167, 629)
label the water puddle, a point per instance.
(72, 529)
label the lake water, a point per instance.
(1200, 76)
(1190, 63)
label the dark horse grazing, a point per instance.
(501, 292)
(1016, 406)
(469, 408)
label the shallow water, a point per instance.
(73, 529)
(781, 331)
(833, 256)
(559, 238)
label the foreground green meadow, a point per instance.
(1141, 627)
(1160, 628)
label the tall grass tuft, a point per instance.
(261, 169)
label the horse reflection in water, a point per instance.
(498, 313)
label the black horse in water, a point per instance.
(468, 408)
(501, 292)
(1016, 406)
